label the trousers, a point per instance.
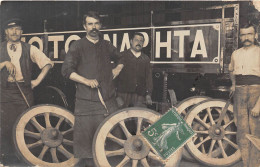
(245, 99)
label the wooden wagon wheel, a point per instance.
(183, 108)
(130, 149)
(214, 136)
(43, 136)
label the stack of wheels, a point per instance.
(215, 141)
(118, 141)
(43, 136)
(183, 109)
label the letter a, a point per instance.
(199, 39)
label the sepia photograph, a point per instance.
(130, 83)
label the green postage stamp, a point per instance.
(168, 134)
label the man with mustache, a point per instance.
(135, 84)
(16, 62)
(88, 63)
(245, 75)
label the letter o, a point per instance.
(38, 40)
(71, 38)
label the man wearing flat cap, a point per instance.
(16, 60)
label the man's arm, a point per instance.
(149, 83)
(93, 83)
(9, 66)
(231, 74)
(116, 71)
(41, 76)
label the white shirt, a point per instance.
(246, 61)
(36, 56)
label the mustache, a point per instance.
(94, 30)
(247, 41)
(139, 45)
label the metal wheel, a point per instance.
(215, 141)
(43, 136)
(110, 148)
(183, 108)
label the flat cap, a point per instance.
(13, 23)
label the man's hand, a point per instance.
(35, 83)
(148, 100)
(10, 68)
(256, 110)
(93, 83)
(117, 70)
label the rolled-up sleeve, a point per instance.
(71, 61)
(39, 57)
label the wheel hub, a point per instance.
(51, 137)
(136, 148)
(216, 132)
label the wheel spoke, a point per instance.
(67, 142)
(54, 155)
(115, 139)
(67, 131)
(231, 143)
(124, 128)
(222, 149)
(123, 162)
(115, 152)
(211, 147)
(44, 150)
(59, 122)
(194, 138)
(139, 124)
(36, 144)
(32, 134)
(226, 125)
(134, 163)
(64, 152)
(205, 117)
(144, 162)
(202, 122)
(230, 133)
(200, 143)
(210, 116)
(153, 156)
(36, 124)
(47, 120)
(201, 132)
(202, 146)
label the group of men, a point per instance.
(88, 63)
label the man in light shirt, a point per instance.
(16, 62)
(135, 83)
(245, 75)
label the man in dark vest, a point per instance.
(16, 60)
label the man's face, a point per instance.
(13, 34)
(92, 27)
(247, 36)
(137, 43)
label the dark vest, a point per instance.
(25, 62)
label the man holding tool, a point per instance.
(16, 82)
(88, 63)
(245, 75)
